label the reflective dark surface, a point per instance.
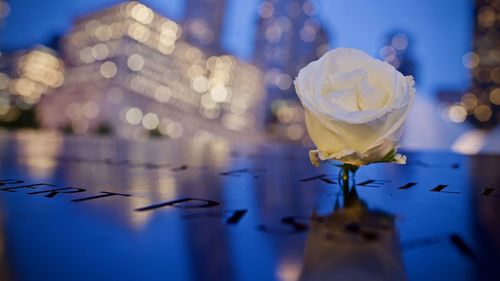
(104, 209)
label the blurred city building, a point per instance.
(203, 23)
(25, 76)
(129, 71)
(482, 102)
(289, 36)
(396, 51)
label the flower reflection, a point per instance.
(353, 243)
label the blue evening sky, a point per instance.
(441, 30)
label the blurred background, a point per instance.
(225, 68)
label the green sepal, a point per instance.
(390, 157)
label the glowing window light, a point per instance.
(495, 96)
(150, 121)
(141, 13)
(166, 50)
(27, 88)
(271, 75)
(103, 33)
(133, 116)
(487, 17)
(100, 51)
(222, 77)
(162, 127)
(91, 26)
(285, 114)
(215, 82)
(470, 60)
(295, 132)
(399, 41)
(310, 8)
(86, 55)
(139, 32)
(135, 62)
(169, 27)
(483, 113)
(210, 63)
(200, 84)
(457, 113)
(37, 64)
(307, 34)
(193, 54)
(395, 62)
(78, 39)
(229, 61)
(219, 93)
(266, 10)
(162, 94)
(54, 79)
(166, 40)
(39, 74)
(174, 130)
(284, 81)
(469, 101)
(195, 70)
(108, 70)
(387, 53)
(138, 83)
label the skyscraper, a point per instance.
(482, 102)
(397, 52)
(289, 35)
(202, 24)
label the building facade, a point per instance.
(130, 71)
(289, 36)
(482, 102)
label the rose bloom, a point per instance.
(355, 107)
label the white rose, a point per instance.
(355, 107)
